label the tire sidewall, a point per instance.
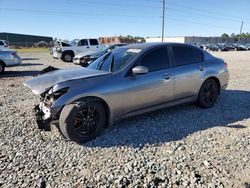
(67, 117)
(200, 101)
(67, 54)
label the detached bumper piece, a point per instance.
(43, 124)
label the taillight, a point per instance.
(5, 46)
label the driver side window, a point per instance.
(157, 59)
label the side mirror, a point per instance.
(139, 70)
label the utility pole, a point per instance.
(163, 20)
(241, 26)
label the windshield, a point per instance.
(114, 60)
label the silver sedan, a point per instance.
(8, 58)
(127, 81)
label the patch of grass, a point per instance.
(32, 50)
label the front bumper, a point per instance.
(14, 62)
(43, 117)
(76, 61)
(57, 54)
(83, 62)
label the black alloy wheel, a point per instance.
(81, 122)
(86, 120)
(208, 93)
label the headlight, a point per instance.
(59, 49)
(55, 95)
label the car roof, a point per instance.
(154, 44)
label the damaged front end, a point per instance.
(42, 122)
(44, 112)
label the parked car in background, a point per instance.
(8, 58)
(222, 47)
(85, 58)
(3, 44)
(199, 45)
(212, 47)
(247, 46)
(67, 53)
(239, 47)
(127, 81)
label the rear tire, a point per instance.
(84, 121)
(2, 68)
(208, 94)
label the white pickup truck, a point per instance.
(67, 52)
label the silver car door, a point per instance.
(188, 71)
(153, 88)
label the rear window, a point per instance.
(1, 43)
(93, 42)
(187, 55)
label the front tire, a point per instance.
(208, 94)
(83, 121)
(67, 56)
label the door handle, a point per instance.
(201, 68)
(167, 76)
(87, 47)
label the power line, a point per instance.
(202, 15)
(123, 6)
(96, 14)
(199, 23)
(203, 11)
(74, 13)
(108, 4)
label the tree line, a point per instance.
(225, 35)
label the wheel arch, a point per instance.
(217, 81)
(2, 62)
(68, 51)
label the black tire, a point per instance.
(2, 68)
(208, 94)
(83, 121)
(67, 56)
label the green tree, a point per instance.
(225, 35)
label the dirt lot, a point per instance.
(183, 146)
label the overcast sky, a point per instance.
(69, 19)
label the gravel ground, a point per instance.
(183, 146)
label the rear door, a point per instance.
(188, 70)
(153, 88)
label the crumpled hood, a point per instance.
(41, 83)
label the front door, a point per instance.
(153, 88)
(82, 46)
